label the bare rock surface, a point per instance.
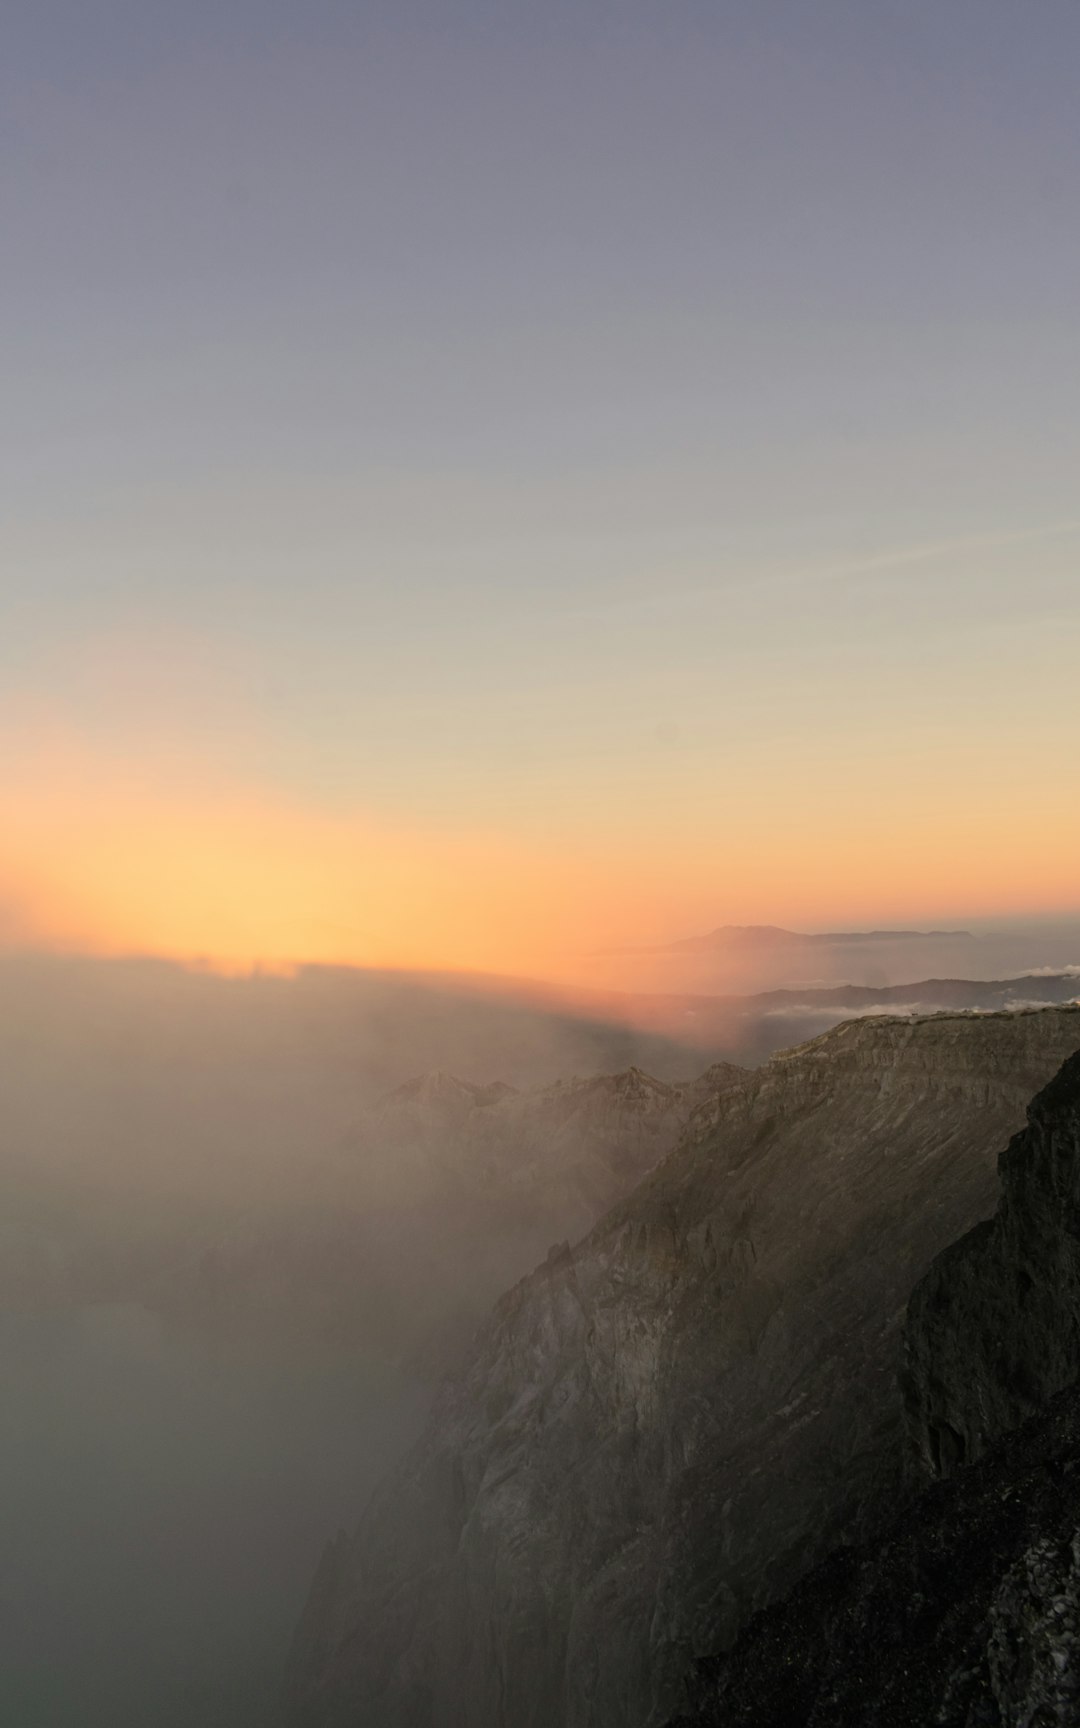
(660, 1430)
(994, 1328)
(967, 1613)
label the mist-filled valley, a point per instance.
(232, 1263)
(246, 1224)
(343, 1155)
(249, 1224)
(166, 1497)
(539, 864)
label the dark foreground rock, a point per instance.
(966, 1616)
(994, 1328)
(968, 1612)
(661, 1430)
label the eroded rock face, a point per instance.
(993, 1330)
(660, 1430)
(967, 1612)
(965, 1615)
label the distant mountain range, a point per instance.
(986, 994)
(743, 938)
(749, 1028)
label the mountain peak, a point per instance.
(442, 1091)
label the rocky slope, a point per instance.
(966, 1615)
(968, 1612)
(994, 1327)
(660, 1430)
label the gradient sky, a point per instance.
(481, 478)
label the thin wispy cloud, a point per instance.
(925, 552)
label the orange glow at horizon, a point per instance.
(103, 859)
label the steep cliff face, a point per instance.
(968, 1611)
(965, 1615)
(994, 1328)
(660, 1430)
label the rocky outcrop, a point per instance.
(965, 1615)
(968, 1611)
(661, 1429)
(994, 1328)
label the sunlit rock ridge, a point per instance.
(662, 1428)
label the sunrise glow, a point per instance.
(103, 858)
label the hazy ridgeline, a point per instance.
(147, 1108)
(160, 1123)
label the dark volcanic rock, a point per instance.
(994, 1328)
(967, 1615)
(661, 1430)
(968, 1612)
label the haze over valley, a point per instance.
(539, 864)
(249, 1225)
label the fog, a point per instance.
(166, 1502)
(203, 1360)
(237, 1251)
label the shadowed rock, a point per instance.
(660, 1430)
(994, 1328)
(967, 1613)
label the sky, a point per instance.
(482, 481)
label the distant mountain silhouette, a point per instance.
(741, 938)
